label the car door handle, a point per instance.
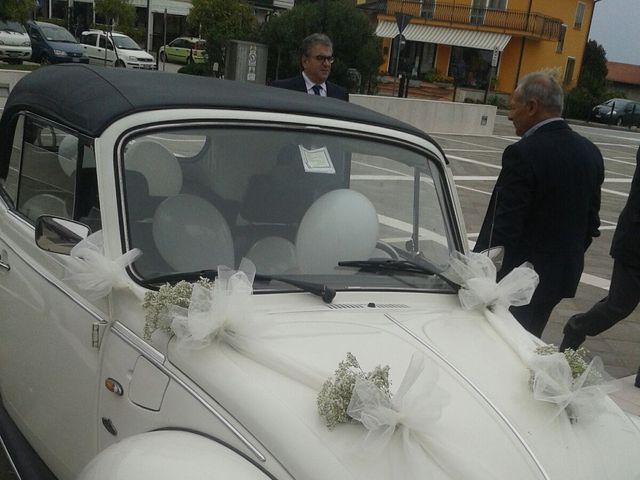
(5, 266)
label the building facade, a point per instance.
(481, 42)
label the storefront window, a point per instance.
(470, 66)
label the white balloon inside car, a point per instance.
(340, 225)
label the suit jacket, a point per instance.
(625, 246)
(546, 201)
(297, 83)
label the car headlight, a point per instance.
(60, 53)
(26, 43)
(132, 58)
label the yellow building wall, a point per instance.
(541, 54)
(536, 54)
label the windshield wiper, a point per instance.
(391, 265)
(327, 294)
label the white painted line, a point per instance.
(617, 180)
(610, 172)
(607, 221)
(475, 177)
(609, 159)
(396, 178)
(594, 281)
(407, 227)
(476, 162)
(477, 145)
(607, 227)
(383, 169)
(462, 187)
(467, 150)
(614, 192)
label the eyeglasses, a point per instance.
(322, 58)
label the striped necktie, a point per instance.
(317, 89)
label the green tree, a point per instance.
(121, 12)
(592, 83)
(355, 44)
(220, 21)
(19, 10)
(593, 72)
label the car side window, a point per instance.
(52, 171)
(89, 39)
(10, 184)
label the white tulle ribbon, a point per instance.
(92, 272)
(222, 313)
(583, 397)
(553, 382)
(225, 314)
(479, 286)
(401, 427)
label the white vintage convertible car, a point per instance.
(208, 279)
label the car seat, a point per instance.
(340, 225)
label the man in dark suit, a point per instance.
(316, 57)
(544, 207)
(624, 291)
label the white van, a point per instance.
(15, 45)
(115, 50)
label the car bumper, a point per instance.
(14, 53)
(70, 60)
(142, 66)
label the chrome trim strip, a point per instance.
(137, 343)
(13, 465)
(71, 296)
(500, 414)
(158, 359)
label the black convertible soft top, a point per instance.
(89, 99)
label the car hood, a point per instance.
(66, 47)
(135, 53)
(489, 426)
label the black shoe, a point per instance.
(572, 338)
(637, 384)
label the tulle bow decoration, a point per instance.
(222, 313)
(401, 428)
(225, 314)
(582, 397)
(479, 287)
(95, 274)
(415, 406)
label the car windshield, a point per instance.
(125, 43)
(57, 34)
(296, 203)
(9, 26)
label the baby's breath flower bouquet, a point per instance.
(156, 304)
(335, 395)
(576, 360)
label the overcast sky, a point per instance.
(616, 26)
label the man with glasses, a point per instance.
(316, 57)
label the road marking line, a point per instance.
(609, 159)
(475, 177)
(614, 192)
(462, 187)
(476, 162)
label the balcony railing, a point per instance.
(530, 24)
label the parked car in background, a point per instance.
(15, 45)
(54, 44)
(338, 227)
(184, 50)
(115, 50)
(617, 111)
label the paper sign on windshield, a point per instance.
(316, 160)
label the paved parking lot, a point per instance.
(475, 162)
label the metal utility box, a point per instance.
(246, 62)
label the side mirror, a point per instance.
(59, 235)
(496, 254)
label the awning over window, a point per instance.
(447, 36)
